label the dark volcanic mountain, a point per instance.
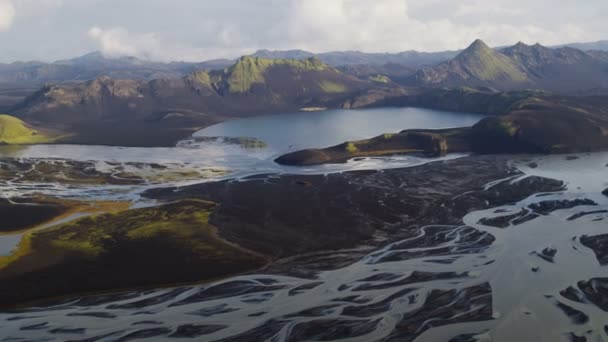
(561, 70)
(251, 86)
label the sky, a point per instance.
(197, 30)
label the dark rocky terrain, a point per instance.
(293, 221)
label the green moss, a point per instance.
(156, 246)
(380, 78)
(16, 132)
(250, 70)
(201, 77)
(351, 147)
(185, 223)
(332, 87)
(508, 127)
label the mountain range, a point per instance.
(106, 110)
(562, 70)
(95, 64)
(176, 106)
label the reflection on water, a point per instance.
(295, 131)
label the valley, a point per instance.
(294, 196)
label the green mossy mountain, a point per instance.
(477, 65)
(251, 70)
(562, 70)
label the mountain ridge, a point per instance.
(251, 86)
(562, 70)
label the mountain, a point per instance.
(410, 59)
(397, 73)
(562, 70)
(478, 65)
(165, 110)
(601, 45)
(94, 65)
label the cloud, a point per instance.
(117, 42)
(7, 14)
(387, 25)
(202, 29)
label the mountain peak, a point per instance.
(480, 65)
(521, 45)
(478, 44)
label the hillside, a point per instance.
(165, 110)
(15, 131)
(562, 70)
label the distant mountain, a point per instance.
(562, 70)
(390, 72)
(410, 59)
(601, 45)
(170, 108)
(94, 65)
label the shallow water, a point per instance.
(499, 289)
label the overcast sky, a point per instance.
(194, 30)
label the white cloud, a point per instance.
(117, 41)
(7, 14)
(386, 25)
(194, 30)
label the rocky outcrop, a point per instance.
(430, 143)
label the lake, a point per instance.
(295, 131)
(281, 133)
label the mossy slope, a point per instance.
(15, 131)
(250, 70)
(157, 246)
